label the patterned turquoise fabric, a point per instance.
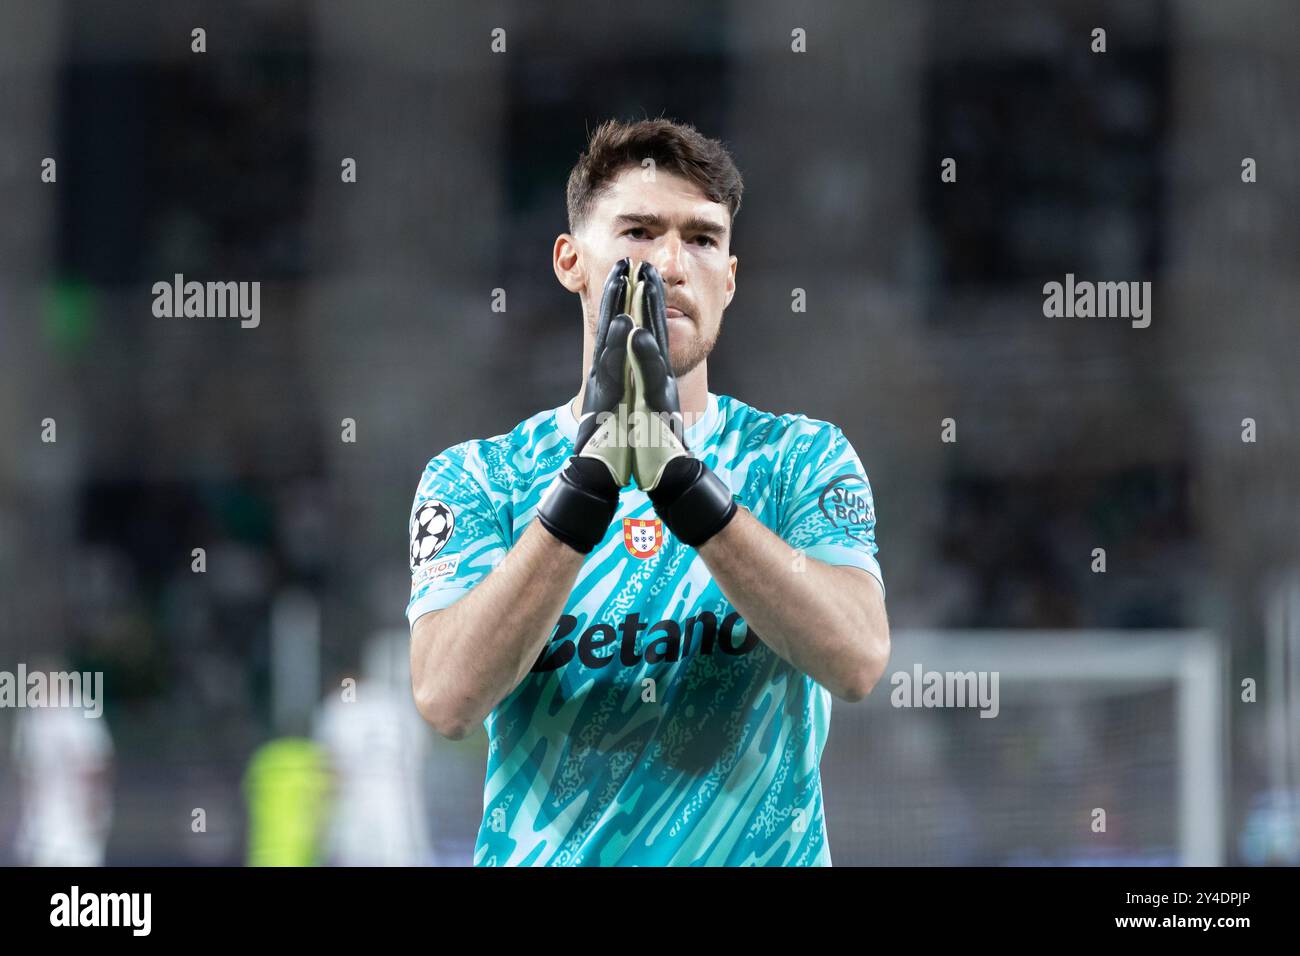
(655, 728)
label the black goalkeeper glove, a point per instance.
(583, 498)
(692, 501)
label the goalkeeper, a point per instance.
(650, 595)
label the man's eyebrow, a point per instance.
(695, 224)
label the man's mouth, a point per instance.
(672, 313)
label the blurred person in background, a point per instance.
(287, 787)
(377, 746)
(1270, 835)
(64, 761)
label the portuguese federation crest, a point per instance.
(643, 537)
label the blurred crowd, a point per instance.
(176, 436)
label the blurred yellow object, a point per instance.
(287, 788)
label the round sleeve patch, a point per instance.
(431, 528)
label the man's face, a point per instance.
(668, 222)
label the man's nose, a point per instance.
(667, 258)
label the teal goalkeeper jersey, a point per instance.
(655, 727)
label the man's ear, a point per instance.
(567, 262)
(731, 280)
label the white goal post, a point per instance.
(1039, 666)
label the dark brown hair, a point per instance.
(676, 147)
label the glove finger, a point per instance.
(611, 301)
(659, 435)
(656, 309)
(605, 387)
(632, 283)
(610, 367)
(657, 387)
(636, 301)
(609, 371)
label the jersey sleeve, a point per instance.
(455, 537)
(829, 512)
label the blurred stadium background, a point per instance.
(925, 302)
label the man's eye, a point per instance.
(628, 232)
(707, 240)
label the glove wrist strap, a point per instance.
(580, 504)
(693, 502)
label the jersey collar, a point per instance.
(695, 435)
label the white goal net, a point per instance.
(1106, 749)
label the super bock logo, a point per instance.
(845, 504)
(643, 537)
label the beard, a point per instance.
(688, 355)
